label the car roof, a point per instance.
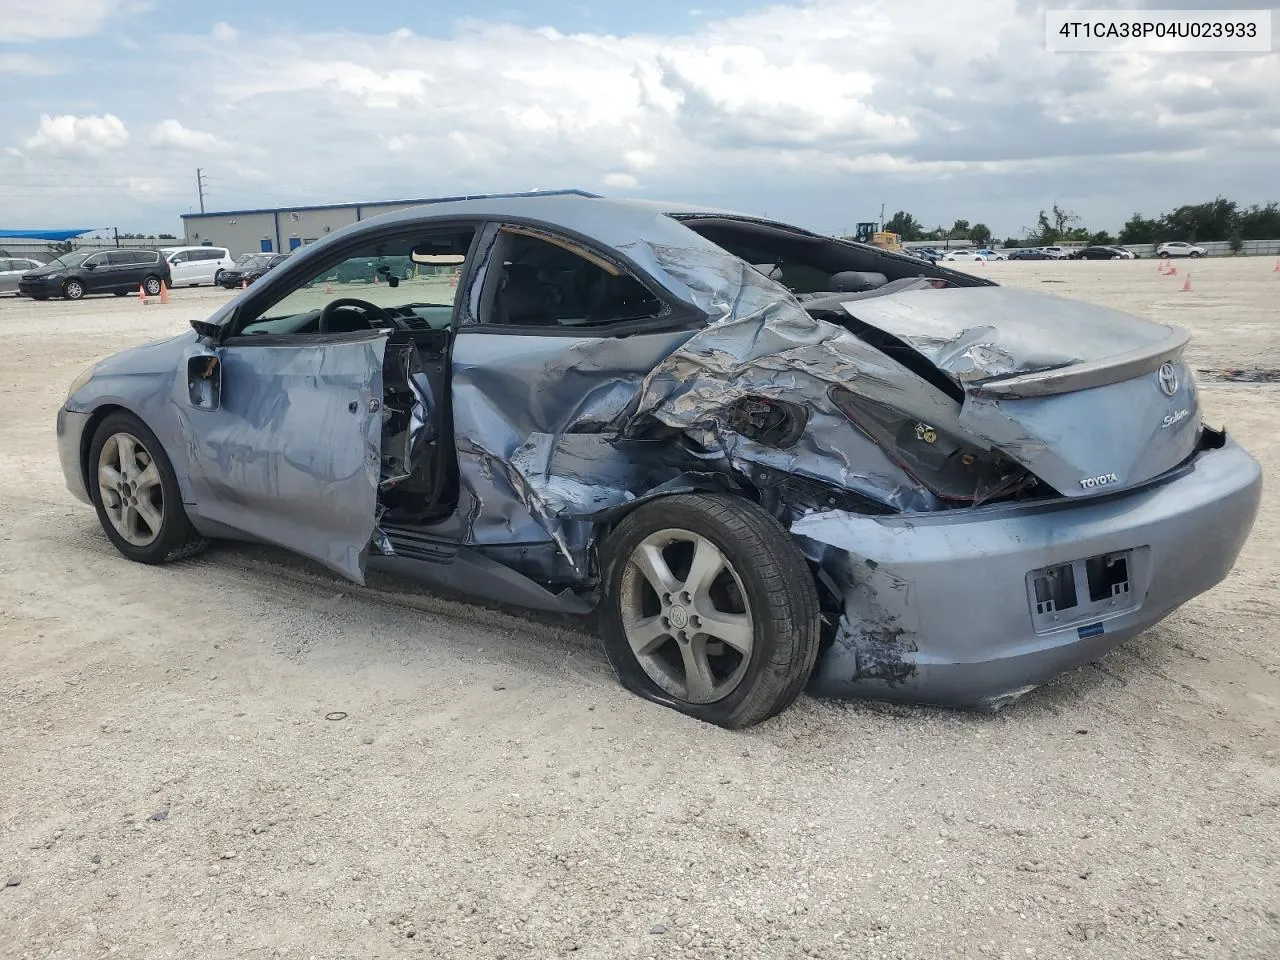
(612, 222)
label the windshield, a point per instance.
(252, 260)
(69, 260)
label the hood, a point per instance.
(47, 270)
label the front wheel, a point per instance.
(73, 289)
(1163, 254)
(217, 279)
(136, 493)
(1195, 254)
(710, 608)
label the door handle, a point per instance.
(353, 406)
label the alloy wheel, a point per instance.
(130, 489)
(685, 616)
(152, 286)
(74, 290)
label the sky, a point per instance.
(814, 112)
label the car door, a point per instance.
(97, 273)
(183, 268)
(531, 390)
(284, 441)
(285, 422)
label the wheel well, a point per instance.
(86, 438)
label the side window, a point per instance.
(394, 283)
(547, 281)
(96, 260)
(119, 257)
(179, 258)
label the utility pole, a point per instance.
(200, 184)
(882, 216)
(116, 232)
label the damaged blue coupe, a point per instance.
(768, 460)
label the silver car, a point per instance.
(768, 460)
(12, 269)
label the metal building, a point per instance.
(281, 229)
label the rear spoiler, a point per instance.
(1083, 376)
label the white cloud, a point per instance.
(171, 133)
(71, 134)
(26, 64)
(24, 20)
(820, 109)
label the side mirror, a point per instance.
(204, 381)
(91, 266)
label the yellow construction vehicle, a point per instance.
(867, 233)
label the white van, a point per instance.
(192, 266)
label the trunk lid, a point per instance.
(1087, 398)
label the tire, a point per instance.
(73, 290)
(1196, 254)
(762, 596)
(217, 279)
(152, 286)
(172, 536)
(1163, 255)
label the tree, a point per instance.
(1057, 225)
(959, 230)
(165, 236)
(1236, 240)
(980, 234)
(905, 226)
(1101, 239)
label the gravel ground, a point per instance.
(242, 756)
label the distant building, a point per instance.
(281, 229)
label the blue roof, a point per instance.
(43, 234)
(390, 203)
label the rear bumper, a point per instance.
(939, 608)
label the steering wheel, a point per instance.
(371, 311)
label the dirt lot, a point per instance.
(172, 788)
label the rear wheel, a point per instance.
(152, 286)
(136, 493)
(710, 609)
(73, 289)
(217, 279)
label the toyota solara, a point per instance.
(765, 460)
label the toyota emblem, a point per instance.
(1168, 379)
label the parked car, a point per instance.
(962, 255)
(1096, 253)
(250, 267)
(1028, 253)
(355, 271)
(1177, 248)
(1125, 253)
(614, 411)
(73, 275)
(192, 266)
(1055, 253)
(12, 269)
(988, 254)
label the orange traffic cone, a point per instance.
(1173, 271)
(328, 288)
(375, 279)
(164, 292)
(244, 284)
(1186, 284)
(1276, 268)
(142, 294)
